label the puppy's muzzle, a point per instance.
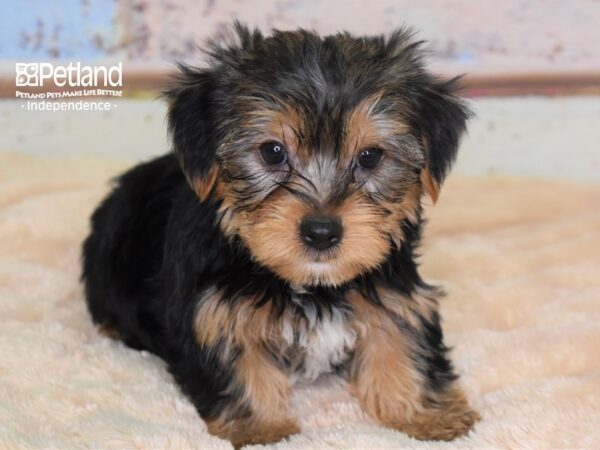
(321, 232)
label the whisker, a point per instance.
(299, 175)
(303, 196)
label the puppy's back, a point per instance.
(123, 252)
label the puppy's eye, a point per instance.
(369, 158)
(273, 153)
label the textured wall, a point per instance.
(481, 35)
(494, 34)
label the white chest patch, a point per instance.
(323, 345)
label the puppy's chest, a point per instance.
(317, 345)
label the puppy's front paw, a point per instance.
(252, 432)
(265, 434)
(441, 424)
(443, 418)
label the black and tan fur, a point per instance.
(196, 256)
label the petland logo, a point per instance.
(49, 87)
(73, 75)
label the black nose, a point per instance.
(321, 232)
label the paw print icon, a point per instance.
(27, 74)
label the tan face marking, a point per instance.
(271, 233)
(203, 186)
(365, 128)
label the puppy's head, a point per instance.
(318, 148)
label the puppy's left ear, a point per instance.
(191, 126)
(442, 119)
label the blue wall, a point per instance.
(56, 29)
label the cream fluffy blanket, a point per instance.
(518, 258)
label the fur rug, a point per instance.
(520, 260)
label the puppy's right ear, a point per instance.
(191, 127)
(442, 121)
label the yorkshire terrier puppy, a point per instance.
(277, 242)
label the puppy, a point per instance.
(277, 243)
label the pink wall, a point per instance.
(470, 35)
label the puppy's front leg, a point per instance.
(256, 410)
(392, 377)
